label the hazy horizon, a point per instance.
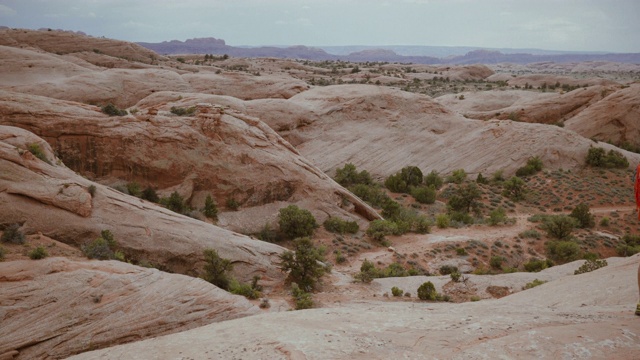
(560, 25)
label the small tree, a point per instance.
(305, 265)
(216, 269)
(515, 188)
(210, 209)
(149, 194)
(559, 226)
(175, 203)
(427, 291)
(563, 251)
(295, 222)
(465, 198)
(583, 215)
(13, 234)
(424, 194)
(457, 176)
(433, 179)
(348, 176)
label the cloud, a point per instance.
(7, 11)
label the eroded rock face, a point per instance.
(52, 200)
(54, 308)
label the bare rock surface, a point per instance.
(52, 200)
(54, 308)
(382, 130)
(560, 319)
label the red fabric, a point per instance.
(637, 188)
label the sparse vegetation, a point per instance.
(303, 299)
(533, 284)
(92, 190)
(339, 226)
(590, 265)
(12, 234)
(598, 157)
(537, 265)
(457, 176)
(38, 253)
(629, 245)
(563, 251)
(534, 164)
(112, 110)
(515, 188)
(180, 111)
(216, 269)
(149, 194)
(559, 226)
(295, 222)
(102, 248)
(305, 265)
(3, 251)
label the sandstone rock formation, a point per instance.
(52, 200)
(563, 318)
(54, 308)
(382, 130)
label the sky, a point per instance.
(570, 25)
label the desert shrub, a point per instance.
(422, 225)
(590, 265)
(232, 204)
(175, 202)
(534, 164)
(457, 176)
(559, 226)
(465, 198)
(339, 226)
(264, 304)
(92, 190)
(496, 262)
(531, 233)
(448, 269)
(372, 194)
(459, 217)
(433, 179)
(340, 258)
(12, 234)
(515, 188)
(37, 151)
(424, 194)
(537, 265)
(378, 229)
(403, 180)
(629, 245)
(605, 221)
(395, 291)
(597, 157)
(180, 111)
(295, 222)
(210, 209)
(497, 216)
(2, 253)
(443, 221)
(455, 276)
(368, 272)
(583, 215)
(461, 251)
(481, 179)
(133, 188)
(302, 298)
(348, 176)
(393, 270)
(533, 284)
(498, 176)
(267, 234)
(149, 194)
(563, 251)
(305, 264)
(427, 291)
(102, 248)
(216, 269)
(243, 289)
(112, 110)
(38, 253)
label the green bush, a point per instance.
(100, 249)
(368, 272)
(533, 284)
(424, 194)
(2, 253)
(246, 290)
(433, 179)
(461, 251)
(590, 265)
(305, 265)
(443, 221)
(496, 262)
(455, 276)
(559, 226)
(457, 176)
(534, 165)
(149, 194)
(597, 157)
(497, 216)
(629, 245)
(268, 234)
(537, 265)
(295, 222)
(349, 176)
(422, 225)
(232, 204)
(605, 221)
(583, 216)
(481, 179)
(302, 298)
(372, 194)
(465, 198)
(378, 229)
(175, 202)
(210, 209)
(37, 151)
(427, 291)
(448, 269)
(180, 111)
(515, 188)
(216, 269)
(339, 226)
(340, 258)
(531, 233)
(563, 251)
(92, 190)
(395, 291)
(133, 188)
(38, 253)
(12, 234)
(403, 180)
(112, 110)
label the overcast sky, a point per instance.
(592, 25)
